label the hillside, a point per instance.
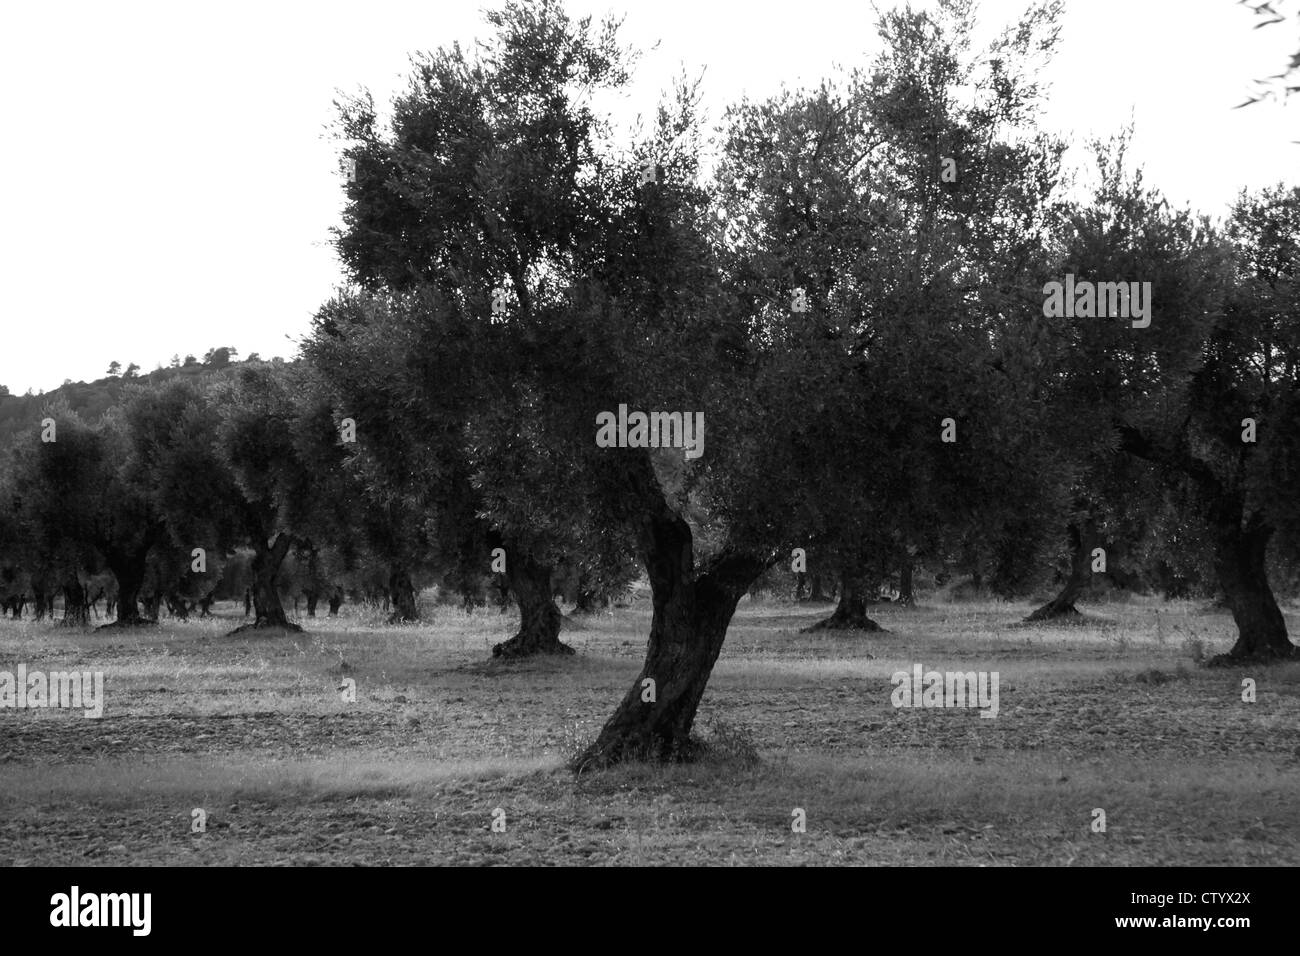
(90, 400)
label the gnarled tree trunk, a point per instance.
(76, 611)
(906, 593)
(1240, 546)
(851, 612)
(1239, 560)
(266, 594)
(129, 567)
(401, 591)
(539, 618)
(1082, 539)
(688, 625)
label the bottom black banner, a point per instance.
(335, 906)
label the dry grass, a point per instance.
(1110, 714)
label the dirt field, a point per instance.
(1112, 715)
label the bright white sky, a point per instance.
(168, 186)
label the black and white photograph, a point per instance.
(550, 433)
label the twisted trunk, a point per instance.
(129, 568)
(76, 612)
(402, 593)
(268, 610)
(851, 612)
(1082, 539)
(539, 618)
(906, 594)
(691, 612)
(1241, 550)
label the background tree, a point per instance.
(171, 427)
(57, 487)
(260, 440)
(910, 225)
(483, 195)
(1219, 349)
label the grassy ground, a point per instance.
(1112, 715)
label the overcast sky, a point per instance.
(168, 184)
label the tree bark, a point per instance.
(76, 612)
(311, 593)
(906, 594)
(129, 568)
(1081, 544)
(539, 618)
(851, 612)
(688, 625)
(402, 593)
(268, 611)
(1239, 560)
(1241, 549)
